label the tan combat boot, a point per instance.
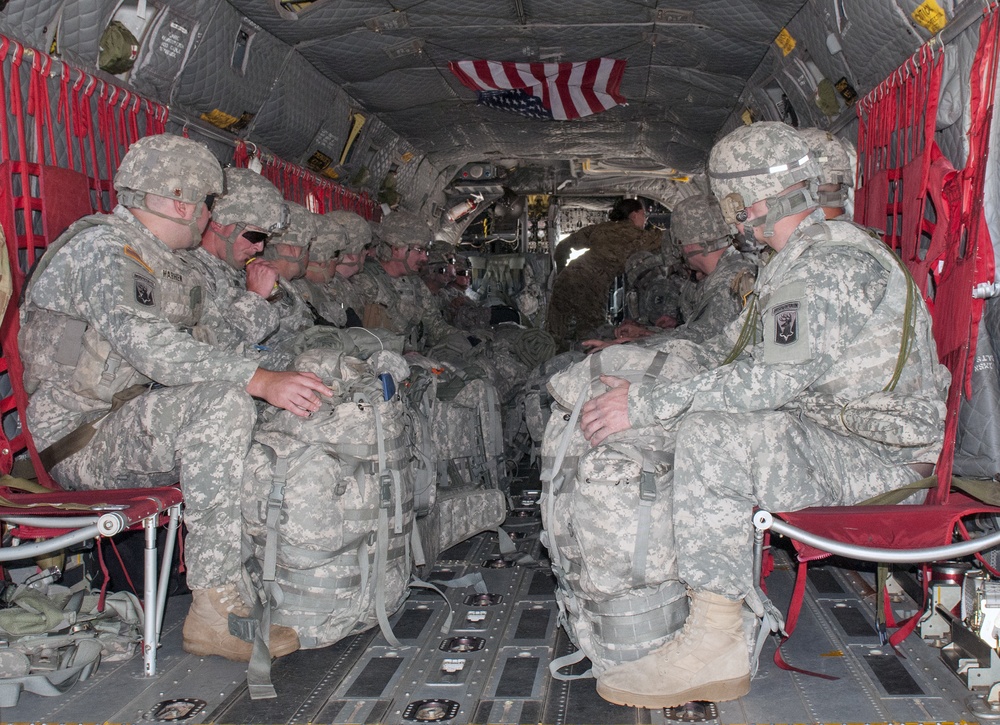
(706, 661)
(206, 628)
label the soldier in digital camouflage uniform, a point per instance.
(725, 275)
(122, 391)
(836, 158)
(243, 219)
(578, 306)
(289, 254)
(395, 298)
(337, 254)
(810, 398)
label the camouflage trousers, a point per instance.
(727, 463)
(198, 434)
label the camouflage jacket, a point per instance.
(402, 305)
(245, 318)
(320, 297)
(111, 307)
(826, 329)
(715, 301)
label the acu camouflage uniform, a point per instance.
(247, 318)
(119, 307)
(804, 415)
(714, 302)
(404, 304)
(338, 232)
(580, 293)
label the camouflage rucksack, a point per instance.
(606, 514)
(328, 505)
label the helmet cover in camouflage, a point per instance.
(170, 166)
(301, 229)
(331, 239)
(251, 200)
(640, 263)
(405, 229)
(833, 155)
(356, 227)
(698, 220)
(757, 162)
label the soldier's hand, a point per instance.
(631, 330)
(296, 392)
(262, 277)
(607, 413)
(666, 322)
(590, 346)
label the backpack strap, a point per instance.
(259, 669)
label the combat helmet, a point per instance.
(761, 161)
(357, 229)
(835, 157)
(173, 167)
(169, 166)
(403, 229)
(251, 200)
(698, 220)
(331, 239)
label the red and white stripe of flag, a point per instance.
(569, 90)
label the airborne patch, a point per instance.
(144, 287)
(786, 323)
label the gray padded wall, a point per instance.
(29, 20)
(209, 82)
(293, 113)
(168, 42)
(80, 30)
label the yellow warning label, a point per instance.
(747, 116)
(329, 173)
(406, 157)
(785, 41)
(218, 118)
(930, 15)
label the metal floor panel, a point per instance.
(363, 679)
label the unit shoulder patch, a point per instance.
(144, 288)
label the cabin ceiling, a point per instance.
(687, 64)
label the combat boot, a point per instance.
(706, 661)
(206, 628)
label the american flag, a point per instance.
(566, 90)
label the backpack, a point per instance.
(118, 49)
(328, 506)
(607, 522)
(53, 638)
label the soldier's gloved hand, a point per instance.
(296, 392)
(607, 413)
(262, 277)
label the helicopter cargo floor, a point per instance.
(492, 665)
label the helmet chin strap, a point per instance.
(784, 205)
(137, 200)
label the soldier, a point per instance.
(836, 158)
(395, 297)
(289, 254)
(336, 255)
(831, 392)
(578, 306)
(122, 394)
(724, 275)
(243, 220)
